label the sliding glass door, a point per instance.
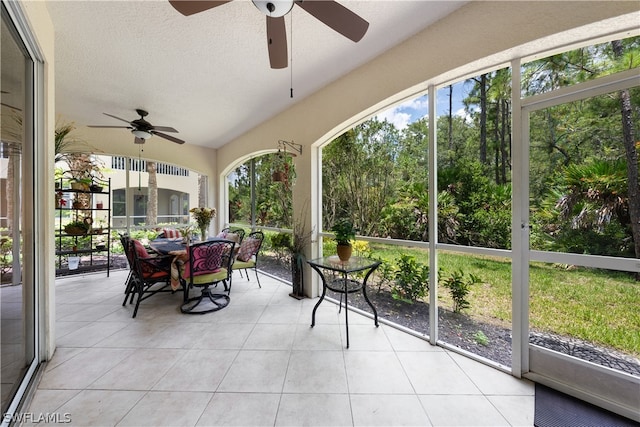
(18, 296)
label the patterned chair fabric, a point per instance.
(170, 233)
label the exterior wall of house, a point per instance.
(169, 186)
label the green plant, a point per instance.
(344, 231)
(281, 245)
(481, 338)
(6, 257)
(385, 273)
(411, 280)
(459, 287)
(77, 227)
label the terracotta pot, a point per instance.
(344, 252)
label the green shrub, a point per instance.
(459, 288)
(6, 257)
(411, 280)
(280, 241)
(386, 274)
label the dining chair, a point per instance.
(247, 256)
(151, 274)
(129, 290)
(209, 264)
(239, 234)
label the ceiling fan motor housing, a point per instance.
(274, 8)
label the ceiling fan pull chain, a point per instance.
(139, 168)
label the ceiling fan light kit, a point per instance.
(141, 134)
(142, 129)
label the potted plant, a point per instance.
(81, 184)
(95, 188)
(100, 244)
(344, 232)
(301, 238)
(279, 174)
(60, 201)
(78, 227)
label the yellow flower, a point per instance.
(203, 216)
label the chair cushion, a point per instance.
(239, 265)
(206, 260)
(140, 250)
(155, 275)
(234, 237)
(170, 233)
(221, 274)
(248, 248)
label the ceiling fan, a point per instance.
(142, 129)
(330, 12)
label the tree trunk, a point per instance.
(483, 119)
(152, 195)
(503, 140)
(450, 117)
(202, 191)
(631, 157)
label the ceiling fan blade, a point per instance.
(189, 7)
(169, 137)
(116, 117)
(277, 42)
(336, 16)
(109, 127)
(10, 106)
(164, 128)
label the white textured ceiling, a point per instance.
(207, 75)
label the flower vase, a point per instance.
(203, 234)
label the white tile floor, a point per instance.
(257, 362)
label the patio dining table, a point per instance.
(176, 247)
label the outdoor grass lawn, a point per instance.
(597, 306)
